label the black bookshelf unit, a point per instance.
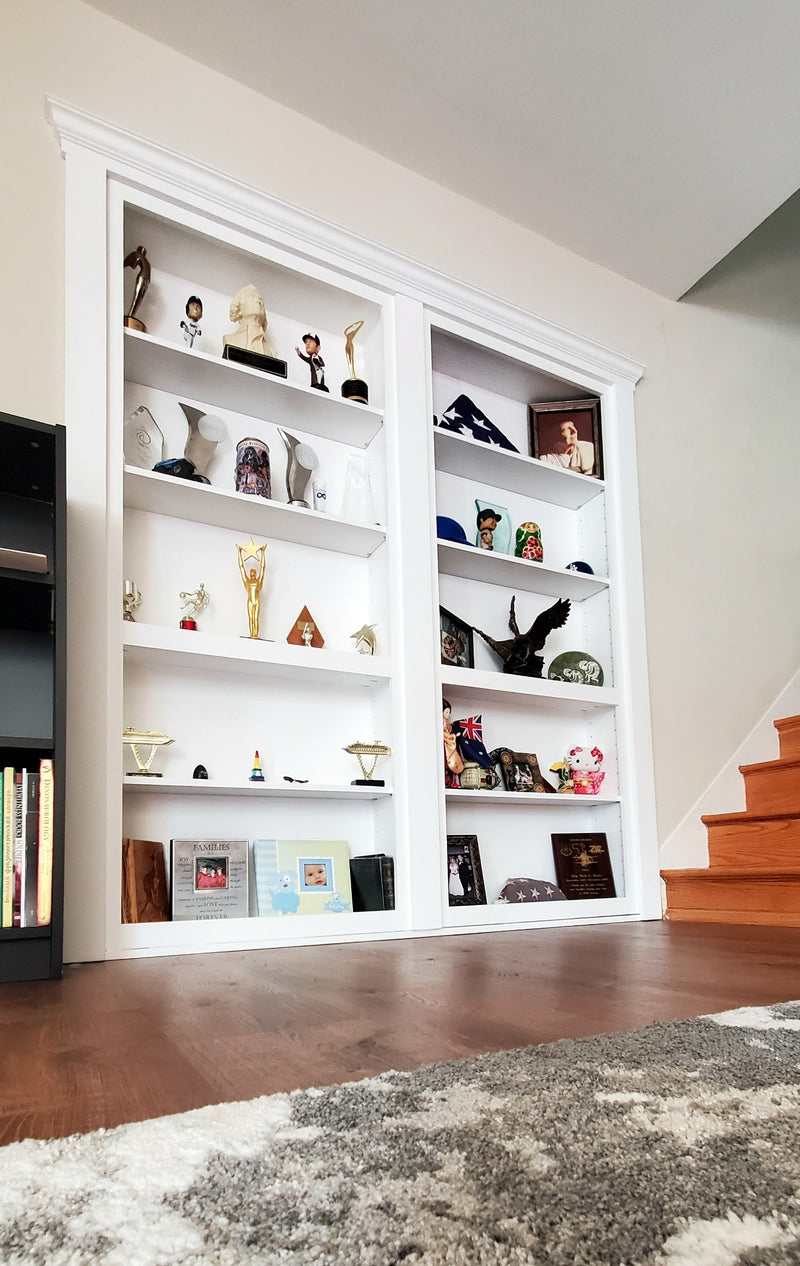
(33, 651)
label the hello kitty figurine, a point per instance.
(579, 772)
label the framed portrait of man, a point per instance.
(567, 434)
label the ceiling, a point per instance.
(649, 136)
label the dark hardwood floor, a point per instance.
(123, 1041)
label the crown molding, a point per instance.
(127, 155)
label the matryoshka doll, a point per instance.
(529, 542)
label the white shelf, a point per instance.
(195, 375)
(530, 913)
(288, 791)
(539, 691)
(493, 568)
(538, 799)
(202, 503)
(459, 455)
(215, 652)
(179, 937)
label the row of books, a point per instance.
(26, 876)
(210, 879)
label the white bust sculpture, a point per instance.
(247, 308)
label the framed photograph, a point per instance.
(521, 771)
(465, 885)
(566, 433)
(302, 876)
(457, 646)
(210, 879)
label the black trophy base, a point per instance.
(355, 389)
(255, 360)
(368, 782)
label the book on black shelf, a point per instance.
(7, 906)
(372, 880)
(19, 845)
(30, 886)
(44, 887)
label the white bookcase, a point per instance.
(219, 694)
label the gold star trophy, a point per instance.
(252, 566)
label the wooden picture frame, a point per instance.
(548, 441)
(465, 886)
(456, 643)
(521, 772)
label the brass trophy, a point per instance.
(194, 601)
(137, 259)
(353, 388)
(364, 639)
(252, 579)
(131, 600)
(136, 738)
(374, 750)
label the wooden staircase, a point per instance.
(753, 875)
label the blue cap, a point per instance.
(449, 530)
(580, 567)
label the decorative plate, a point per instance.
(579, 667)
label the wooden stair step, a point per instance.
(734, 894)
(772, 786)
(753, 839)
(788, 735)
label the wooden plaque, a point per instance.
(583, 866)
(303, 621)
(144, 882)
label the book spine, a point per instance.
(19, 847)
(46, 804)
(387, 875)
(8, 847)
(30, 893)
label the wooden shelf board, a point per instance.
(459, 455)
(202, 503)
(194, 375)
(516, 573)
(501, 687)
(266, 790)
(176, 648)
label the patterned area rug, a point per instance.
(675, 1145)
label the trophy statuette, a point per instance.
(141, 738)
(193, 603)
(252, 567)
(374, 750)
(131, 600)
(137, 259)
(353, 388)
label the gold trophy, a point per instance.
(353, 388)
(252, 579)
(137, 738)
(131, 600)
(137, 259)
(360, 750)
(193, 603)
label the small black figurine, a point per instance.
(200, 771)
(314, 361)
(520, 653)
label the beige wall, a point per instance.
(716, 483)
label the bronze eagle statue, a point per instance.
(520, 653)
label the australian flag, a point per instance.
(469, 732)
(465, 418)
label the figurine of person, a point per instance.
(194, 315)
(453, 760)
(314, 361)
(247, 309)
(487, 521)
(252, 580)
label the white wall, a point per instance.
(716, 481)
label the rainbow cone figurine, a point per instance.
(256, 773)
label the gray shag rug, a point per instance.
(674, 1145)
